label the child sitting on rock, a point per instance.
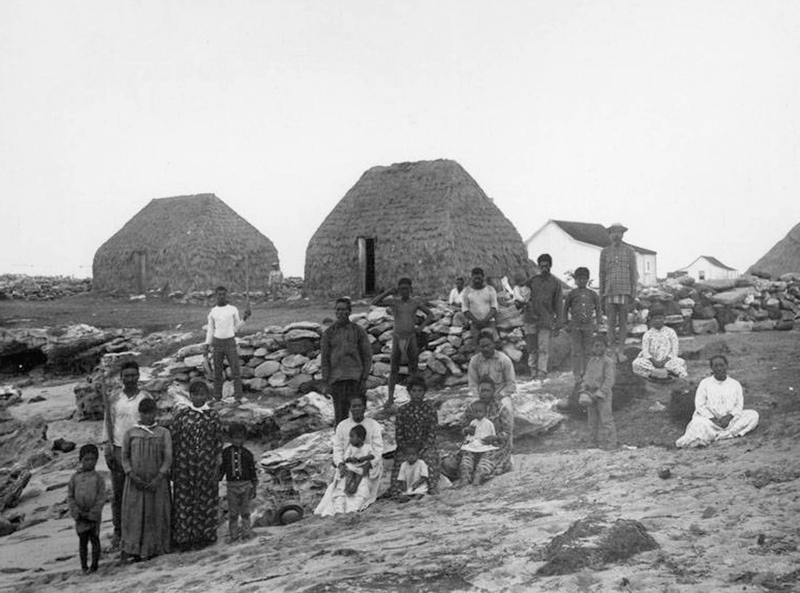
(86, 495)
(413, 475)
(595, 394)
(357, 459)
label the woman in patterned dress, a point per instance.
(197, 450)
(416, 426)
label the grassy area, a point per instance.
(151, 315)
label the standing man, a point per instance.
(618, 277)
(223, 323)
(542, 316)
(121, 413)
(274, 280)
(346, 360)
(454, 299)
(479, 305)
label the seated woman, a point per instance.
(494, 456)
(415, 428)
(718, 409)
(659, 356)
(337, 499)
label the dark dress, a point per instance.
(197, 446)
(416, 424)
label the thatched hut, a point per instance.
(184, 243)
(783, 258)
(428, 220)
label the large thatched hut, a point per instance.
(184, 243)
(428, 220)
(783, 258)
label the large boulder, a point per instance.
(12, 483)
(19, 439)
(737, 296)
(308, 413)
(705, 326)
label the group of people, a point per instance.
(165, 481)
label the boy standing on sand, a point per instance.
(404, 339)
(223, 323)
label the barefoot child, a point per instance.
(596, 394)
(357, 459)
(581, 313)
(481, 438)
(146, 458)
(413, 475)
(404, 335)
(86, 496)
(239, 467)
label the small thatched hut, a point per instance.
(428, 220)
(783, 258)
(184, 243)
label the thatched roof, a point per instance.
(430, 221)
(783, 258)
(184, 243)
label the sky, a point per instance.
(677, 118)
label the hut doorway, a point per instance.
(140, 269)
(366, 265)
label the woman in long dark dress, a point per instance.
(416, 426)
(197, 450)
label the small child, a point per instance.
(86, 495)
(239, 467)
(357, 459)
(581, 314)
(405, 349)
(413, 475)
(479, 428)
(597, 383)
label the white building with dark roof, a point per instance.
(707, 267)
(576, 244)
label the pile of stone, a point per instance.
(75, 348)
(743, 304)
(286, 360)
(41, 288)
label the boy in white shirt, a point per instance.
(223, 323)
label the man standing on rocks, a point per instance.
(223, 323)
(618, 277)
(121, 413)
(346, 360)
(479, 305)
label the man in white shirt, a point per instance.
(121, 413)
(223, 323)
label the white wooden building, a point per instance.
(576, 244)
(707, 267)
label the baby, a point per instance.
(479, 429)
(357, 459)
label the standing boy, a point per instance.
(404, 337)
(86, 495)
(598, 381)
(223, 323)
(346, 360)
(121, 414)
(479, 305)
(239, 467)
(581, 311)
(542, 316)
(618, 277)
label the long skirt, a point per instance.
(701, 431)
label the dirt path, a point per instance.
(726, 520)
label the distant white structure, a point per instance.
(707, 267)
(576, 244)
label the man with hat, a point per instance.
(658, 358)
(618, 277)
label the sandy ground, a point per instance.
(728, 518)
